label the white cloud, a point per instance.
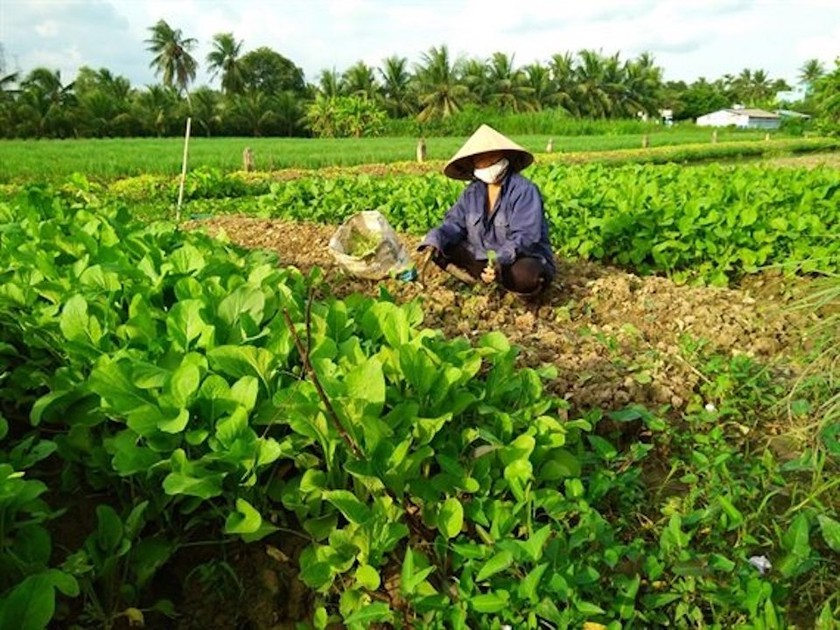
(47, 29)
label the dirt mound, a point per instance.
(614, 337)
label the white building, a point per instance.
(742, 117)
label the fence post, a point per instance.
(183, 171)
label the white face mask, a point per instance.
(492, 174)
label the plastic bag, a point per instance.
(368, 247)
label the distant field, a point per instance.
(26, 160)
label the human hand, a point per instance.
(488, 275)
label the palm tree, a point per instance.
(507, 86)
(155, 108)
(643, 86)
(827, 96)
(224, 58)
(329, 83)
(592, 92)
(441, 94)
(810, 71)
(538, 79)
(46, 103)
(172, 56)
(253, 113)
(396, 86)
(358, 80)
(473, 75)
(206, 108)
(562, 69)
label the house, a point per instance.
(743, 117)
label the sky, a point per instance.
(687, 38)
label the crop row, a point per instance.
(711, 222)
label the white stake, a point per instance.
(183, 171)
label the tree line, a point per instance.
(262, 93)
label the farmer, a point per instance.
(496, 231)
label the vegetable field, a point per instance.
(207, 424)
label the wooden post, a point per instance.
(550, 146)
(183, 171)
(645, 141)
(421, 150)
(247, 160)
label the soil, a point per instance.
(614, 337)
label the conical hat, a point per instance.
(486, 140)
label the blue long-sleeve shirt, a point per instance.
(516, 226)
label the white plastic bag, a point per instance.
(368, 247)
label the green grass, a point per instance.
(106, 159)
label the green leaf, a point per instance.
(368, 577)
(244, 299)
(245, 520)
(366, 382)
(797, 542)
(31, 603)
(205, 487)
(174, 422)
(409, 578)
(147, 556)
(494, 565)
(112, 383)
(109, 528)
(450, 518)
(372, 613)
(316, 574)
(830, 531)
(186, 325)
(490, 602)
(494, 341)
(527, 588)
(349, 505)
(534, 546)
(74, 320)
(559, 464)
(184, 384)
(239, 361)
(245, 392)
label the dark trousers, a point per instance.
(526, 276)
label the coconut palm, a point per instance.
(396, 86)
(441, 94)
(45, 103)
(592, 92)
(156, 108)
(508, 87)
(358, 80)
(643, 87)
(810, 71)
(253, 113)
(224, 59)
(172, 56)
(329, 83)
(473, 75)
(562, 69)
(538, 78)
